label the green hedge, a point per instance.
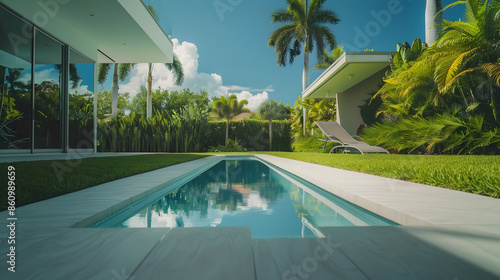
(252, 134)
(158, 134)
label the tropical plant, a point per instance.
(120, 72)
(317, 110)
(469, 52)
(445, 133)
(227, 108)
(303, 25)
(447, 101)
(104, 103)
(328, 59)
(405, 53)
(271, 110)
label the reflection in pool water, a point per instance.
(249, 193)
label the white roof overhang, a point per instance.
(123, 30)
(349, 70)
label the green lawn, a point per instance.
(39, 180)
(475, 174)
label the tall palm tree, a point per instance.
(303, 25)
(329, 59)
(433, 18)
(270, 110)
(175, 67)
(227, 108)
(121, 72)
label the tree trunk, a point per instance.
(149, 101)
(433, 7)
(305, 84)
(270, 134)
(114, 93)
(227, 131)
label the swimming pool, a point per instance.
(246, 192)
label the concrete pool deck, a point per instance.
(447, 235)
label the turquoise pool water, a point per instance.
(247, 193)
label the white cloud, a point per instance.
(212, 83)
(254, 101)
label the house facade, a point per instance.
(349, 80)
(49, 50)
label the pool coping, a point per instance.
(406, 203)
(397, 200)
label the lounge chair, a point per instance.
(336, 133)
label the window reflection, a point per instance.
(48, 55)
(81, 108)
(15, 82)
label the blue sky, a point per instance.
(224, 42)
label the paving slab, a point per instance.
(86, 254)
(394, 253)
(200, 253)
(309, 258)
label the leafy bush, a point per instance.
(251, 134)
(232, 146)
(443, 134)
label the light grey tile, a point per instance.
(200, 253)
(391, 253)
(86, 254)
(294, 258)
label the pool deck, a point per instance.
(446, 235)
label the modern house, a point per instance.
(349, 80)
(49, 51)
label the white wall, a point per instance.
(348, 112)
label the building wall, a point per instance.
(348, 112)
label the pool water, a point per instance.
(248, 193)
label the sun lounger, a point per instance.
(336, 133)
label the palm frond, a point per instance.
(102, 72)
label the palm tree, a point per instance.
(175, 67)
(329, 59)
(177, 71)
(227, 108)
(270, 110)
(121, 71)
(433, 18)
(303, 25)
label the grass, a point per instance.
(39, 180)
(475, 174)
(312, 144)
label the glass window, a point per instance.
(48, 66)
(81, 102)
(15, 82)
